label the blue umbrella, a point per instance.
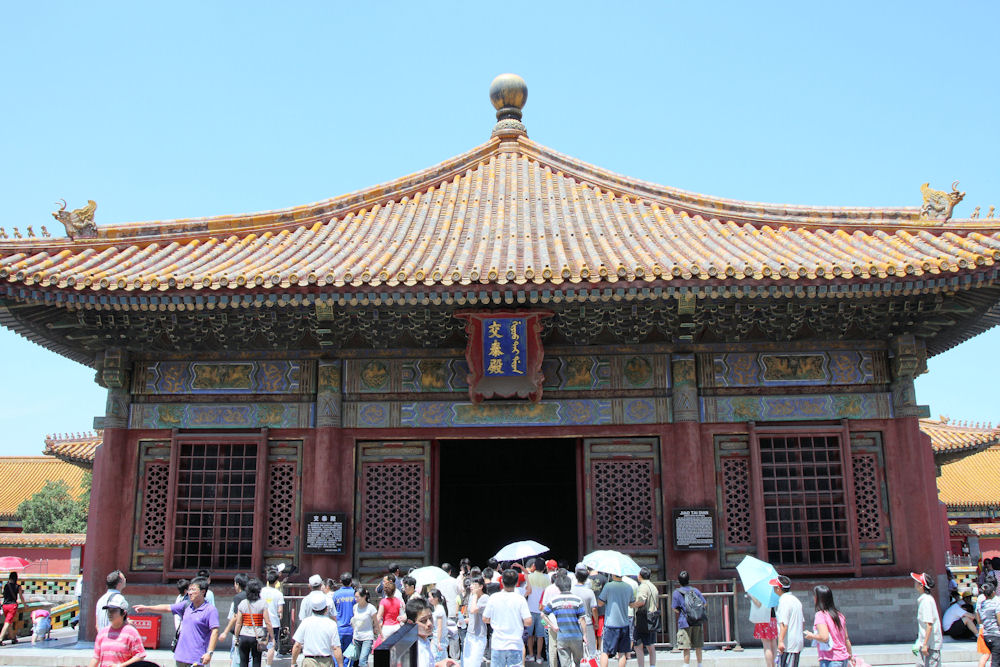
(755, 575)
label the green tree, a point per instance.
(53, 510)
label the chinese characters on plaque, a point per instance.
(504, 354)
(503, 347)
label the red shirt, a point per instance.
(391, 614)
(113, 647)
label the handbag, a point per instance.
(352, 651)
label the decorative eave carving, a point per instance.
(79, 222)
(939, 204)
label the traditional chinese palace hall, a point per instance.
(615, 364)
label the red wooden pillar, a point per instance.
(685, 482)
(109, 522)
(915, 505)
(328, 485)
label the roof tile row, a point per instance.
(527, 217)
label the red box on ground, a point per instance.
(149, 629)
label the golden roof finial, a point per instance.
(989, 214)
(509, 93)
(975, 213)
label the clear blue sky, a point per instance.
(191, 109)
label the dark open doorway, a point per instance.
(493, 492)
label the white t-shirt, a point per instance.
(952, 614)
(449, 591)
(789, 612)
(274, 599)
(550, 593)
(440, 618)
(586, 593)
(361, 621)
(305, 609)
(506, 613)
(927, 612)
(318, 635)
(102, 614)
(477, 628)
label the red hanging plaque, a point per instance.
(504, 353)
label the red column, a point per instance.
(328, 485)
(110, 483)
(917, 534)
(686, 480)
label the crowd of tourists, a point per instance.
(511, 614)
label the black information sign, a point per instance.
(325, 532)
(694, 528)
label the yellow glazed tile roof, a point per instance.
(79, 448)
(23, 476)
(949, 436)
(972, 481)
(42, 539)
(513, 213)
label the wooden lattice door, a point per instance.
(393, 509)
(623, 500)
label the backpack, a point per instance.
(694, 607)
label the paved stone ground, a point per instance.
(65, 651)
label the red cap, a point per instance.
(920, 578)
(781, 582)
(551, 565)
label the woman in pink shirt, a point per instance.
(830, 630)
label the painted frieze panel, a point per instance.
(216, 415)
(568, 412)
(797, 408)
(786, 369)
(220, 378)
(561, 373)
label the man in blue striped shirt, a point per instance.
(570, 616)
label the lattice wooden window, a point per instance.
(216, 490)
(281, 505)
(154, 511)
(394, 507)
(736, 500)
(624, 513)
(804, 499)
(867, 496)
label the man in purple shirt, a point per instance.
(199, 625)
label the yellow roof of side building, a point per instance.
(972, 482)
(23, 476)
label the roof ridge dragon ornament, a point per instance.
(938, 204)
(79, 223)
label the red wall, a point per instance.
(58, 558)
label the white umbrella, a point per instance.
(611, 562)
(429, 574)
(519, 550)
